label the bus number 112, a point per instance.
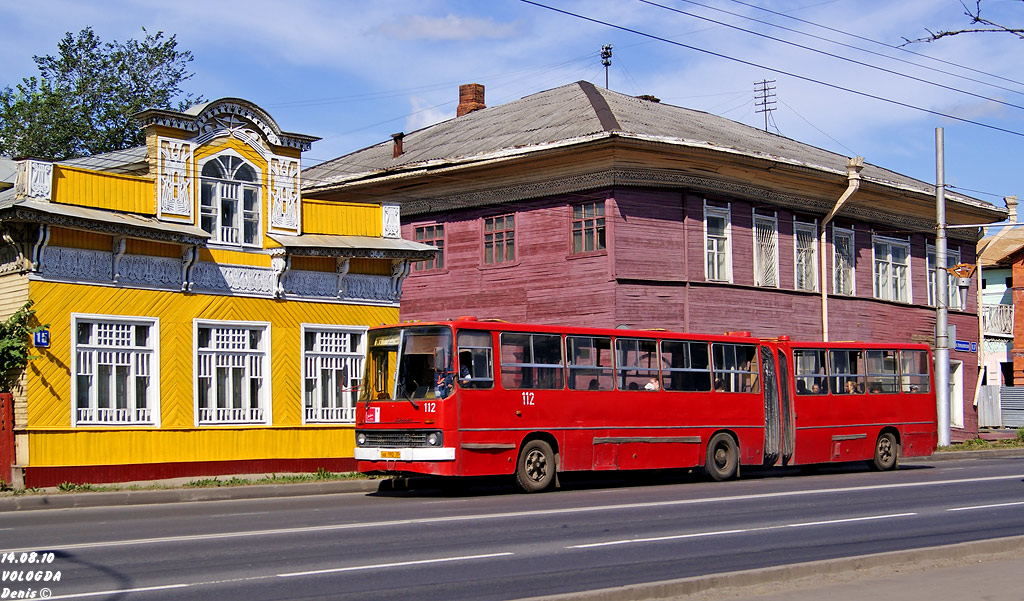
(527, 398)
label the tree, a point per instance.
(986, 26)
(14, 336)
(83, 99)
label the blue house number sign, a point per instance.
(41, 339)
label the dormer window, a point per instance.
(229, 207)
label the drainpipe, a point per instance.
(853, 168)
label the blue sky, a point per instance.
(354, 72)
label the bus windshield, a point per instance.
(408, 363)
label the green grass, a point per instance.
(977, 443)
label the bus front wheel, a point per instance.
(723, 459)
(887, 453)
(535, 470)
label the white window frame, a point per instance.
(726, 241)
(142, 361)
(837, 265)
(875, 260)
(255, 364)
(812, 229)
(771, 223)
(953, 294)
(219, 236)
(317, 409)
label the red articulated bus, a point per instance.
(474, 398)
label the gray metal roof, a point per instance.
(354, 245)
(130, 160)
(112, 222)
(576, 113)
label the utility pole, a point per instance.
(764, 98)
(606, 60)
(942, 294)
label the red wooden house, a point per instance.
(579, 205)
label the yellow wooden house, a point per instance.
(202, 316)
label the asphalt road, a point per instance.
(488, 542)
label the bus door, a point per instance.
(813, 412)
(772, 414)
(786, 400)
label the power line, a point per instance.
(775, 70)
(832, 55)
(866, 39)
(858, 48)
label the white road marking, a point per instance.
(394, 565)
(987, 506)
(286, 575)
(505, 515)
(656, 539)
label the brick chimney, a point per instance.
(396, 150)
(471, 98)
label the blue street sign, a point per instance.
(41, 339)
(962, 346)
(974, 347)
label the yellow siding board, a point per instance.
(52, 441)
(330, 217)
(80, 239)
(112, 191)
(121, 447)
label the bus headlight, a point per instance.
(360, 439)
(434, 439)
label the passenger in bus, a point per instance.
(652, 384)
(633, 386)
(719, 385)
(851, 387)
(801, 388)
(875, 388)
(816, 389)
(593, 385)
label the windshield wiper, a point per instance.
(408, 397)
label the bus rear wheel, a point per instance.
(723, 458)
(535, 470)
(887, 453)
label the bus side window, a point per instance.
(847, 369)
(736, 367)
(882, 372)
(637, 364)
(685, 365)
(914, 371)
(590, 363)
(476, 360)
(809, 371)
(531, 361)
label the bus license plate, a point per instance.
(390, 454)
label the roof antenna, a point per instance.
(764, 98)
(606, 60)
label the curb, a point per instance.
(957, 455)
(179, 495)
(671, 589)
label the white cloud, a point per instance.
(449, 27)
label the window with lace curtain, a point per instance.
(844, 262)
(766, 251)
(806, 235)
(229, 204)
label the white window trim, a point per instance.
(154, 369)
(812, 228)
(773, 218)
(874, 263)
(851, 232)
(953, 294)
(267, 392)
(260, 202)
(725, 213)
(347, 416)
